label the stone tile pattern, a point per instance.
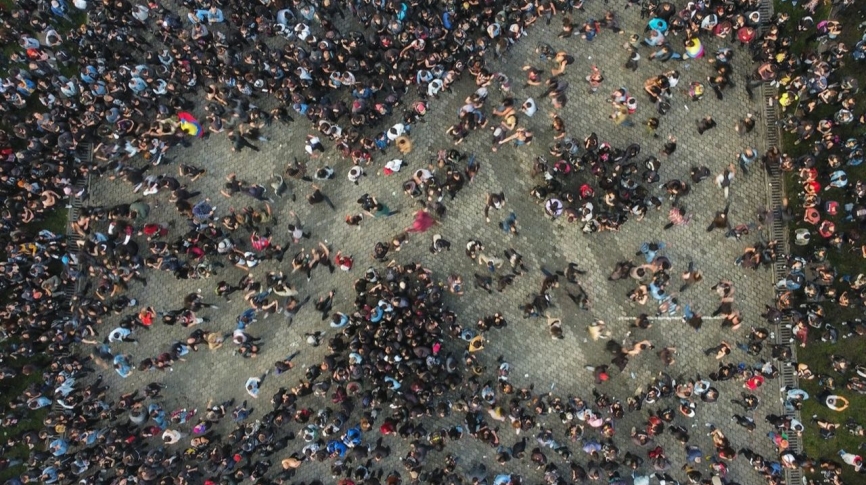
(526, 344)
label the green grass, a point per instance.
(31, 421)
(54, 220)
(817, 354)
(78, 18)
(818, 358)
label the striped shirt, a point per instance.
(676, 218)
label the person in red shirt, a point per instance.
(259, 243)
(145, 316)
(153, 231)
(754, 382)
(344, 262)
(387, 427)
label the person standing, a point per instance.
(314, 146)
(253, 384)
(496, 201)
(670, 146)
(594, 79)
(239, 142)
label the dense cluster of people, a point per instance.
(123, 81)
(818, 100)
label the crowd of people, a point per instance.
(121, 80)
(818, 100)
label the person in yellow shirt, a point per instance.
(787, 99)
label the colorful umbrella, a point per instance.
(190, 125)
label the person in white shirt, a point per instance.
(314, 146)
(121, 334)
(254, 383)
(529, 107)
(171, 436)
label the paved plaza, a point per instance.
(557, 365)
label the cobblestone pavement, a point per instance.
(550, 364)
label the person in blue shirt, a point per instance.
(99, 88)
(80, 465)
(640, 479)
(122, 366)
(650, 249)
(509, 225)
(58, 447)
(747, 158)
(26, 86)
(49, 475)
(158, 415)
(694, 454)
(212, 15)
(502, 480)
(352, 438)
(246, 318)
(89, 74)
(89, 437)
(253, 384)
(137, 85)
(60, 9)
(337, 448)
(39, 402)
(447, 16)
(590, 446)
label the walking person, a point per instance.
(253, 384)
(595, 78)
(238, 142)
